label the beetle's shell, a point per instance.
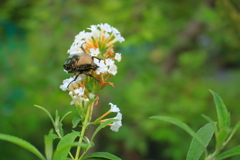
(79, 63)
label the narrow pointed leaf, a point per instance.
(22, 143)
(184, 127)
(65, 115)
(222, 113)
(58, 125)
(101, 156)
(233, 131)
(232, 152)
(48, 141)
(205, 133)
(67, 139)
(46, 111)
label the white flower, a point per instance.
(114, 108)
(75, 49)
(106, 35)
(79, 38)
(115, 31)
(91, 96)
(79, 91)
(112, 69)
(84, 99)
(118, 57)
(78, 96)
(102, 67)
(65, 83)
(95, 33)
(119, 38)
(94, 52)
(109, 62)
(93, 27)
(116, 125)
(105, 27)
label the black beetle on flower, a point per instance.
(80, 63)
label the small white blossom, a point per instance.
(102, 67)
(79, 91)
(106, 35)
(79, 38)
(119, 38)
(116, 125)
(70, 93)
(112, 69)
(115, 31)
(114, 108)
(75, 49)
(95, 33)
(84, 99)
(91, 96)
(65, 83)
(118, 57)
(92, 28)
(105, 27)
(109, 62)
(88, 36)
(94, 52)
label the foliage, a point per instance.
(221, 129)
(167, 69)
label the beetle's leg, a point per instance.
(96, 58)
(82, 47)
(90, 75)
(74, 79)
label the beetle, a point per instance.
(80, 63)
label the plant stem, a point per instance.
(85, 124)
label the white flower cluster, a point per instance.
(78, 96)
(97, 42)
(66, 82)
(101, 32)
(106, 66)
(116, 125)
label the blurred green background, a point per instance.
(174, 52)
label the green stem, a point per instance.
(85, 124)
(70, 154)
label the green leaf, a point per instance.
(48, 141)
(101, 156)
(214, 124)
(102, 126)
(184, 127)
(232, 152)
(58, 153)
(58, 125)
(22, 143)
(221, 137)
(233, 132)
(75, 121)
(46, 111)
(196, 150)
(222, 113)
(65, 115)
(66, 140)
